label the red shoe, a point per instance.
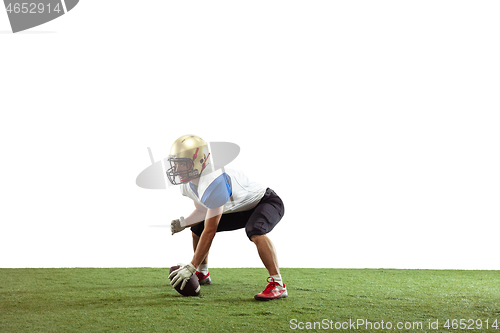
(273, 291)
(204, 279)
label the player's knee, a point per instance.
(256, 237)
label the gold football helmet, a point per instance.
(188, 158)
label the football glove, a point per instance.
(177, 225)
(182, 275)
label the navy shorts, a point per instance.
(259, 220)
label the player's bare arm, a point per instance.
(197, 216)
(212, 219)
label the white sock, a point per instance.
(277, 278)
(203, 269)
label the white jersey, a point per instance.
(245, 194)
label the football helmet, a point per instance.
(188, 158)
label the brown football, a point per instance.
(192, 287)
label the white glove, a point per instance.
(177, 225)
(182, 275)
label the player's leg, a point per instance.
(275, 288)
(264, 218)
(267, 253)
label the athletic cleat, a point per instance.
(273, 291)
(204, 279)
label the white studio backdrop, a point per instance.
(376, 122)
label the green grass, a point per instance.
(140, 299)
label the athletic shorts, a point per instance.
(259, 220)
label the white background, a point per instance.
(377, 122)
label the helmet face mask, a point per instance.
(181, 170)
(188, 158)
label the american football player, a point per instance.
(224, 200)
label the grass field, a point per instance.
(140, 300)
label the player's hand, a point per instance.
(177, 225)
(182, 275)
